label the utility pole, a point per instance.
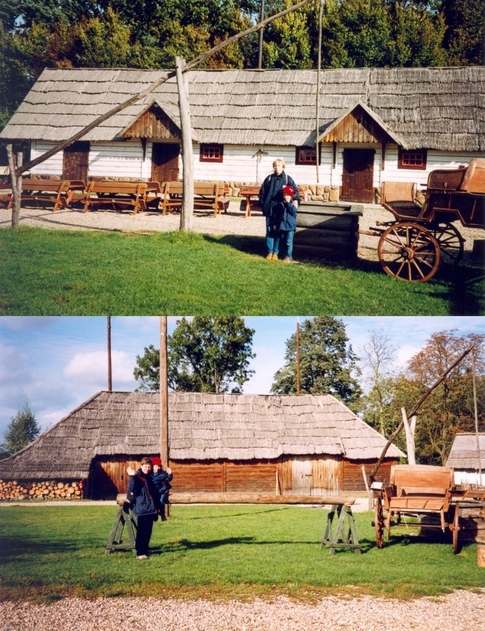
(298, 379)
(260, 51)
(110, 380)
(164, 454)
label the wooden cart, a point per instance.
(416, 491)
(412, 246)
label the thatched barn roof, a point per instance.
(201, 427)
(434, 108)
(464, 453)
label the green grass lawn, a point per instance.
(53, 552)
(46, 272)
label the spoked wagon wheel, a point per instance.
(379, 523)
(409, 252)
(450, 241)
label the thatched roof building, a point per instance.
(436, 108)
(467, 456)
(207, 433)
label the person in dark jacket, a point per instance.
(162, 480)
(269, 198)
(143, 495)
(286, 212)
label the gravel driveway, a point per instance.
(459, 611)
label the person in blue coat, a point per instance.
(143, 496)
(286, 212)
(162, 481)
(270, 199)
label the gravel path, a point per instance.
(233, 222)
(459, 611)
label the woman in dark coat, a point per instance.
(143, 495)
(269, 199)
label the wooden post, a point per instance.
(16, 185)
(164, 451)
(298, 378)
(110, 380)
(187, 210)
(410, 430)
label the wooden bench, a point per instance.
(207, 196)
(39, 191)
(75, 192)
(116, 195)
(252, 190)
(419, 490)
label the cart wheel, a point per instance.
(450, 241)
(409, 252)
(379, 523)
(456, 529)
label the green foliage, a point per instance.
(465, 31)
(358, 33)
(147, 369)
(90, 273)
(204, 355)
(327, 362)
(242, 552)
(22, 430)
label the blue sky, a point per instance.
(56, 363)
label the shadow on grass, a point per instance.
(16, 547)
(241, 514)
(462, 286)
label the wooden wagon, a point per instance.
(412, 246)
(417, 491)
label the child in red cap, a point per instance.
(162, 480)
(286, 213)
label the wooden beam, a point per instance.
(257, 498)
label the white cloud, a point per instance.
(92, 367)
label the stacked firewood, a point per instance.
(48, 489)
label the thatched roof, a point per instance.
(201, 427)
(464, 453)
(434, 108)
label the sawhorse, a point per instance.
(344, 535)
(124, 517)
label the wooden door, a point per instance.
(165, 162)
(75, 163)
(301, 481)
(358, 176)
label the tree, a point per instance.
(22, 430)
(204, 355)
(327, 362)
(450, 408)
(465, 33)
(377, 358)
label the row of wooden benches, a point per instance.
(120, 195)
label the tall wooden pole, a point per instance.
(298, 378)
(164, 452)
(163, 392)
(110, 379)
(261, 38)
(187, 211)
(16, 184)
(475, 410)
